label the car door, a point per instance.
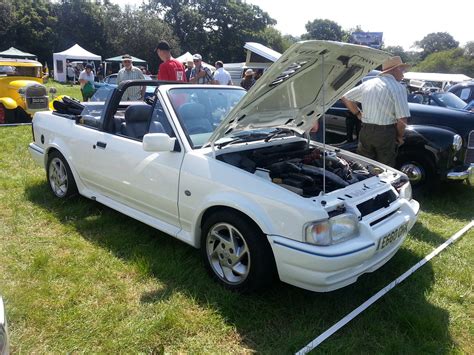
(116, 166)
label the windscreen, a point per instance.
(15, 70)
(201, 110)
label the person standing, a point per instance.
(200, 74)
(170, 69)
(222, 76)
(385, 112)
(248, 80)
(189, 69)
(86, 80)
(130, 72)
(70, 74)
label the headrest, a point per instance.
(192, 109)
(137, 113)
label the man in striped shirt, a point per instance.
(129, 72)
(384, 112)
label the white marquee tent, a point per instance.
(188, 57)
(75, 53)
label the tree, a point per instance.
(436, 42)
(397, 50)
(451, 61)
(80, 22)
(324, 30)
(469, 49)
(29, 25)
(217, 29)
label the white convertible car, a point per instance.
(236, 174)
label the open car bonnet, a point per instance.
(300, 86)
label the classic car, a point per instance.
(439, 143)
(236, 174)
(102, 89)
(464, 90)
(441, 99)
(21, 90)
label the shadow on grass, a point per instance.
(454, 200)
(284, 318)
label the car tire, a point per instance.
(236, 253)
(419, 168)
(59, 175)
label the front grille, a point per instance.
(35, 90)
(378, 202)
(469, 158)
(36, 97)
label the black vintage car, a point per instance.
(464, 90)
(439, 142)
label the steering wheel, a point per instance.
(198, 129)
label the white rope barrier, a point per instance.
(313, 344)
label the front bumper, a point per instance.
(467, 173)
(324, 269)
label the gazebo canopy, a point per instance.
(118, 59)
(12, 52)
(188, 57)
(77, 52)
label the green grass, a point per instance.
(65, 89)
(79, 277)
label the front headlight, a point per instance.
(333, 231)
(457, 142)
(406, 192)
(22, 91)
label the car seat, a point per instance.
(193, 118)
(136, 121)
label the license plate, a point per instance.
(392, 236)
(38, 100)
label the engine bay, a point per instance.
(300, 168)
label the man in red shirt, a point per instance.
(170, 69)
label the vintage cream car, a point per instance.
(236, 175)
(21, 90)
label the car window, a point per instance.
(448, 99)
(159, 123)
(91, 115)
(464, 95)
(201, 110)
(16, 70)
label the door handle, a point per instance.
(101, 145)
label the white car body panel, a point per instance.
(172, 190)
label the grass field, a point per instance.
(66, 89)
(79, 277)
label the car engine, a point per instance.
(300, 168)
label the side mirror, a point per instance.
(158, 142)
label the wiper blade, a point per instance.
(278, 132)
(246, 137)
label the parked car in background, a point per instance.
(22, 92)
(464, 90)
(234, 174)
(112, 79)
(439, 142)
(442, 99)
(102, 89)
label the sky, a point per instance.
(402, 22)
